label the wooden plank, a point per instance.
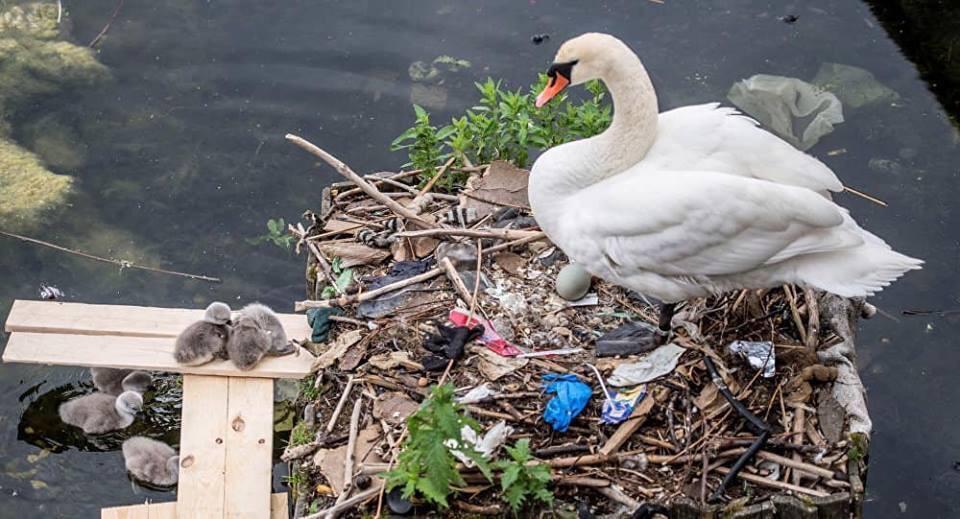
(278, 510)
(132, 321)
(203, 446)
(249, 448)
(150, 354)
(127, 512)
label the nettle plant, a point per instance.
(426, 466)
(503, 125)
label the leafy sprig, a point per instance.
(425, 465)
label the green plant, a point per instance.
(343, 279)
(296, 480)
(300, 435)
(276, 234)
(521, 482)
(425, 465)
(504, 124)
(308, 389)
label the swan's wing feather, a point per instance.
(699, 223)
(710, 137)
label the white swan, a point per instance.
(696, 200)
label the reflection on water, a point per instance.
(181, 158)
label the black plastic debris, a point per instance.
(538, 39)
(451, 340)
(789, 19)
(630, 339)
(397, 503)
(387, 303)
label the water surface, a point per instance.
(186, 159)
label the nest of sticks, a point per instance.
(712, 434)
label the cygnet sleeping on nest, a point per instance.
(268, 321)
(151, 461)
(98, 413)
(204, 341)
(115, 381)
(248, 343)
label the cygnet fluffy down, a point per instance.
(151, 461)
(248, 343)
(268, 321)
(204, 341)
(115, 381)
(98, 413)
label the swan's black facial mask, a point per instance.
(559, 74)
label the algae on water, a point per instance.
(27, 189)
(34, 63)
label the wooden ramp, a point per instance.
(226, 438)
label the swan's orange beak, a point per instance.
(556, 85)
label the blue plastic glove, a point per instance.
(571, 397)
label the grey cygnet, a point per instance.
(151, 461)
(248, 343)
(98, 413)
(268, 321)
(114, 381)
(204, 341)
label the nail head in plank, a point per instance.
(203, 448)
(133, 321)
(145, 353)
(278, 510)
(249, 448)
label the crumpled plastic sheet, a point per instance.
(797, 111)
(486, 445)
(490, 338)
(571, 396)
(387, 303)
(619, 404)
(760, 355)
(656, 364)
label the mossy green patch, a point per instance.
(27, 189)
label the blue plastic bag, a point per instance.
(571, 397)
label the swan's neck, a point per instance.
(635, 114)
(574, 166)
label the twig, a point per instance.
(493, 202)
(865, 196)
(799, 465)
(614, 493)
(367, 188)
(59, 11)
(103, 32)
(121, 263)
(443, 169)
(764, 482)
(456, 280)
(358, 499)
(350, 457)
(801, 329)
(503, 234)
(339, 408)
(533, 237)
(325, 267)
(493, 509)
(813, 319)
(798, 423)
(476, 284)
(366, 296)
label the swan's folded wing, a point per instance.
(710, 137)
(699, 223)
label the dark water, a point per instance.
(186, 159)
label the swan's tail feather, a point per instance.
(857, 272)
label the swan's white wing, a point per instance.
(686, 223)
(713, 138)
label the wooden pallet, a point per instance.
(226, 438)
